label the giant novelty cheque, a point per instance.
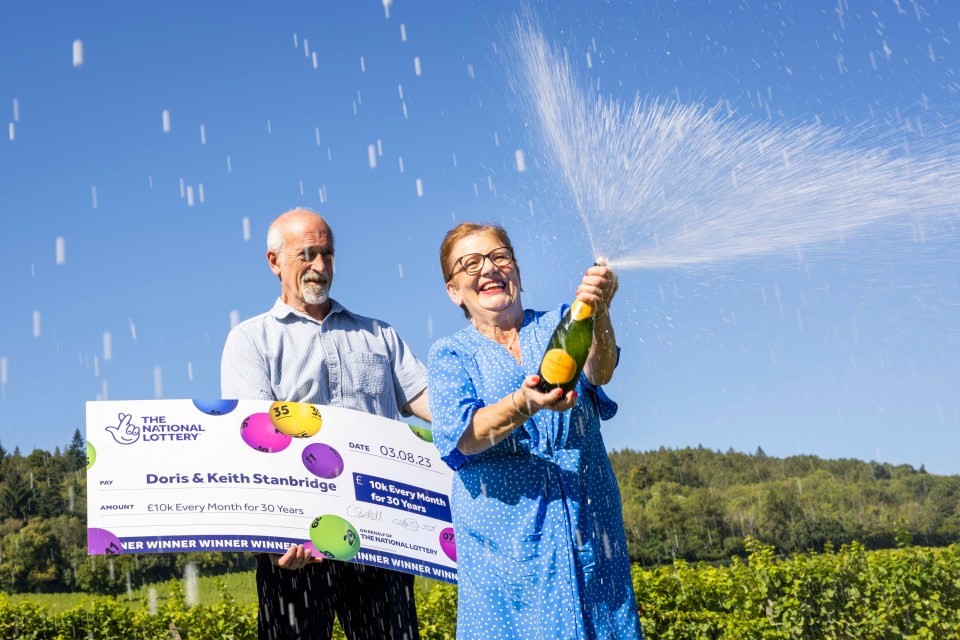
(225, 475)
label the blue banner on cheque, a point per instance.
(224, 475)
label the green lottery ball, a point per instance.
(424, 434)
(334, 537)
(91, 455)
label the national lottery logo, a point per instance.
(125, 432)
(158, 428)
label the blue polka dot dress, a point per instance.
(541, 550)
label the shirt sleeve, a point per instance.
(453, 401)
(244, 374)
(409, 373)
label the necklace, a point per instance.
(510, 347)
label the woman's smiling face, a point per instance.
(491, 291)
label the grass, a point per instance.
(242, 586)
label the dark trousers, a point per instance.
(372, 603)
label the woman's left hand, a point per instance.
(598, 287)
(531, 401)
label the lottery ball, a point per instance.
(216, 407)
(297, 419)
(101, 541)
(322, 460)
(448, 543)
(91, 455)
(258, 432)
(424, 434)
(334, 537)
(314, 553)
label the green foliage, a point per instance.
(698, 504)
(692, 504)
(437, 612)
(76, 453)
(240, 586)
(849, 594)
(103, 617)
(43, 533)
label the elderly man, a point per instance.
(309, 348)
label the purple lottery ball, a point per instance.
(322, 460)
(448, 543)
(258, 432)
(101, 541)
(314, 552)
(215, 407)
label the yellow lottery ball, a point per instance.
(297, 419)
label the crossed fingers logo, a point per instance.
(125, 432)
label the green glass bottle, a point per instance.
(567, 350)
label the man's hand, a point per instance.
(296, 557)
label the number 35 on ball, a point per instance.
(297, 419)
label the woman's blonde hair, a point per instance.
(462, 230)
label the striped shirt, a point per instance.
(345, 361)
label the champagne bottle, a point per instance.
(567, 350)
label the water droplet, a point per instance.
(78, 54)
(191, 584)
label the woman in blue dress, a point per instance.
(541, 550)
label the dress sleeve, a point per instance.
(453, 401)
(606, 407)
(244, 374)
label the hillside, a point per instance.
(699, 504)
(694, 504)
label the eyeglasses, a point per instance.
(472, 263)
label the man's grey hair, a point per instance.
(275, 232)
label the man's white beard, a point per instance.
(315, 292)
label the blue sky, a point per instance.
(848, 349)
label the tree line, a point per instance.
(699, 504)
(43, 532)
(692, 504)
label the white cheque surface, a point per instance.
(224, 475)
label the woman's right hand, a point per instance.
(493, 423)
(530, 401)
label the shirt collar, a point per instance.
(282, 310)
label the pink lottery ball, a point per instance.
(258, 432)
(448, 543)
(101, 541)
(313, 550)
(322, 460)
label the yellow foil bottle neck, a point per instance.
(580, 310)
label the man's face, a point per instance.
(305, 263)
